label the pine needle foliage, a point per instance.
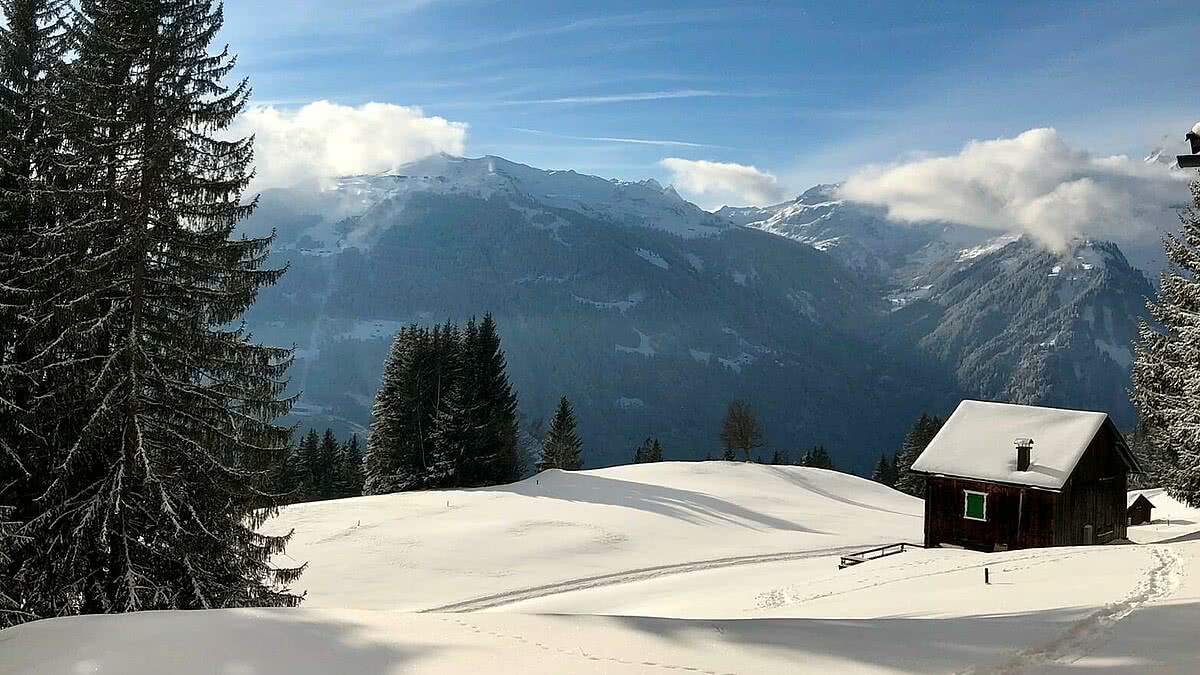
(155, 411)
(1166, 370)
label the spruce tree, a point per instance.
(350, 469)
(648, 451)
(285, 478)
(10, 537)
(885, 471)
(165, 408)
(1166, 371)
(639, 453)
(915, 442)
(445, 414)
(818, 457)
(400, 451)
(389, 443)
(447, 433)
(562, 448)
(656, 453)
(454, 440)
(32, 44)
(307, 459)
(491, 404)
(326, 473)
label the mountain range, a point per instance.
(651, 314)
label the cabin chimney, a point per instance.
(1024, 448)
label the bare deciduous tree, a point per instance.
(740, 430)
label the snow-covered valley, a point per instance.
(705, 567)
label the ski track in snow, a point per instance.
(785, 597)
(630, 576)
(1159, 582)
(579, 652)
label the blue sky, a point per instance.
(807, 91)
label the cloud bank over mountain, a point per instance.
(1035, 184)
(323, 139)
(714, 184)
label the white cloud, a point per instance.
(1035, 184)
(323, 139)
(718, 183)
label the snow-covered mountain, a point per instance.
(538, 194)
(1018, 323)
(651, 314)
(858, 235)
(1011, 320)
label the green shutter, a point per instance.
(975, 505)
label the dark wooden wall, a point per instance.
(1093, 495)
(1026, 517)
(1017, 517)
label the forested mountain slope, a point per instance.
(651, 314)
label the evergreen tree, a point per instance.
(439, 397)
(1166, 371)
(740, 430)
(454, 441)
(562, 448)
(649, 451)
(885, 471)
(326, 467)
(728, 455)
(452, 436)
(32, 44)
(308, 459)
(490, 402)
(1155, 462)
(818, 457)
(350, 469)
(445, 413)
(655, 454)
(163, 430)
(401, 452)
(915, 442)
(10, 611)
(285, 479)
(390, 446)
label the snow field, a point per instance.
(418, 551)
(714, 568)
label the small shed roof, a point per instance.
(1133, 497)
(977, 442)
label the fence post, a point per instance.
(986, 576)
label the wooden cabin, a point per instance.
(1138, 510)
(1003, 476)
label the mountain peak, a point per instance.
(644, 203)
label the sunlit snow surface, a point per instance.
(706, 567)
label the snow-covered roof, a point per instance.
(977, 442)
(1133, 497)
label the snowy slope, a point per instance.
(1110, 609)
(1171, 520)
(473, 549)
